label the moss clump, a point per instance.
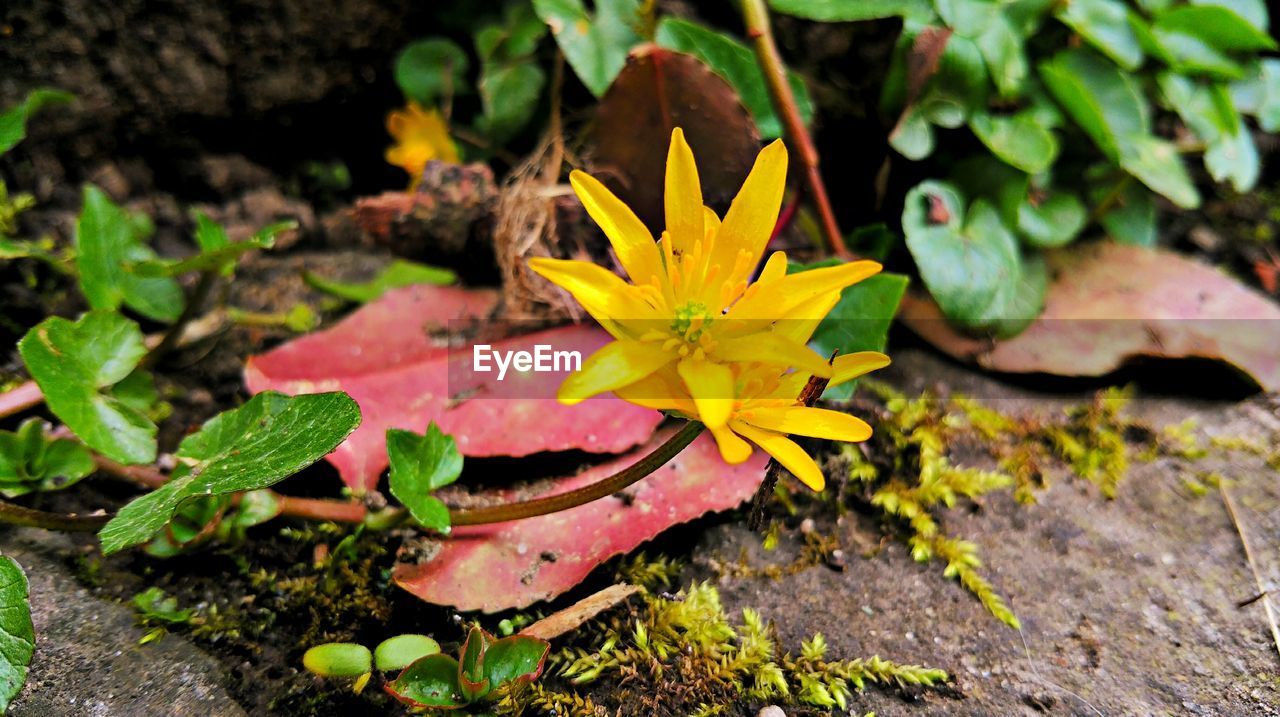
(683, 655)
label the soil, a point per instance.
(1129, 607)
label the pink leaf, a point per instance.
(512, 565)
(384, 356)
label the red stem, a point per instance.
(19, 399)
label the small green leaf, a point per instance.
(516, 658)
(17, 632)
(959, 87)
(1259, 94)
(508, 96)
(13, 121)
(1017, 139)
(1052, 221)
(73, 363)
(515, 37)
(1006, 58)
(1157, 164)
(266, 440)
(1020, 302)
(428, 69)
(1131, 218)
(595, 44)
(1252, 11)
(397, 653)
(1190, 54)
(31, 461)
(397, 274)
(1105, 25)
(217, 252)
(338, 659)
(913, 137)
(471, 675)
(429, 682)
(1104, 101)
(1234, 157)
(420, 465)
(154, 604)
(108, 239)
(1217, 26)
(736, 64)
(852, 10)
(983, 175)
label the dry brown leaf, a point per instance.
(572, 617)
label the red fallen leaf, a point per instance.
(1110, 303)
(657, 91)
(515, 564)
(384, 357)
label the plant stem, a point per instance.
(585, 494)
(337, 511)
(173, 335)
(19, 399)
(755, 14)
(11, 514)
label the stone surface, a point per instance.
(1129, 607)
(88, 661)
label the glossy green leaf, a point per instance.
(420, 465)
(959, 87)
(397, 653)
(269, 438)
(1053, 221)
(338, 659)
(1217, 26)
(427, 70)
(515, 37)
(515, 658)
(1105, 25)
(509, 94)
(595, 44)
(76, 364)
(1131, 214)
(984, 176)
(1017, 139)
(968, 18)
(429, 682)
(1103, 100)
(13, 121)
(17, 632)
(1020, 302)
(1252, 11)
(1157, 164)
(1259, 94)
(1234, 158)
(471, 677)
(156, 605)
(217, 252)
(32, 461)
(108, 239)
(966, 261)
(1002, 49)
(736, 64)
(1199, 105)
(852, 10)
(913, 137)
(397, 274)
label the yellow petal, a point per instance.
(785, 451)
(754, 212)
(800, 323)
(772, 348)
(683, 194)
(661, 390)
(631, 240)
(775, 268)
(615, 365)
(813, 422)
(602, 293)
(777, 298)
(711, 386)
(854, 365)
(733, 449)
(710, 225)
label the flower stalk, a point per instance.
(755, 15)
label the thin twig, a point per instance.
(809, 395)
(1253, 565)
(11, 514)
(755, 15)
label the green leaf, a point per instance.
(471, 677)
(397, 274)
(430, 682)
(959, 87)
(154, 604)
(397, 653)
(1131, 218)
(266, 440)
(1006, 58)
(966, 262)
(515, 37)
(1021, 301)
(107, 239)
(1216, 26)
(1053, 221)
(508, 97)
(852, 10)
(420, 465)
(338, 659)
(428, 69)
(31, 461)
(1252, 11)
(17, 632)
(1234, 158)
(1105, 25)
(1103, 100)
(1157, 164)
(13, 121)
(217, 253)
(1017, 139)
(595, 44)
(913, 137)
(1208, 109)
(1259, 94)
(516, 658)
(859, 321)
(736, 64)
(73, 363)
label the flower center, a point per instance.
(691, 320)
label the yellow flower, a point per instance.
(421, 136)
(689, 311)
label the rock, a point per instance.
(771, 711)
(88, 660)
